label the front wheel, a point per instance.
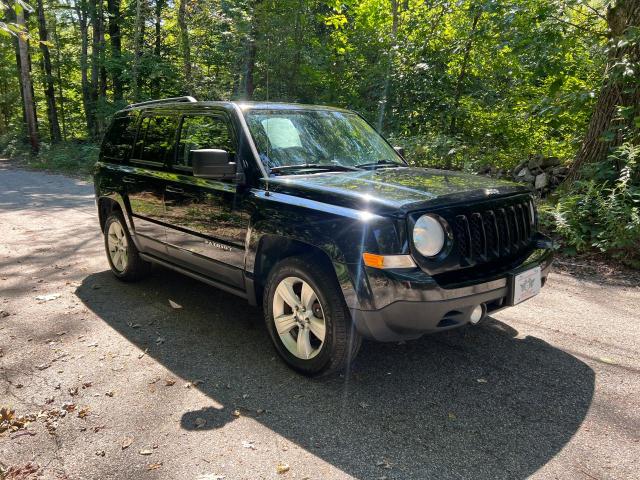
(307, 318)
(124, 258)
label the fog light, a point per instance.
(476, 314)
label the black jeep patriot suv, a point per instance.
(309, 211)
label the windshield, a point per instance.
(287, 139)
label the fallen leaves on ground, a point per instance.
(23, 472)
(11, 422)
(160, 340)
(249, 445)
(169, 382)
(384, 463)
(47, 298)
(154, 466)
(200, 422)
(607, 360)
(146, 451)
(282, 468)
(236, 413)
(174, 305)
(83, 413)
(126, 443)
(193, 383)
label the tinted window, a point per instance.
(203, 131)
(156, 138)
(119, 139)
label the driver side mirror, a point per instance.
(213, 163)
(399, 151)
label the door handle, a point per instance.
(129, 180)
(174, 190)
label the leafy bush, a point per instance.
(76, 158)
(602, 213)
(73, 157)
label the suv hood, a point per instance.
(393, 190)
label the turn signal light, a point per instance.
(387, 261)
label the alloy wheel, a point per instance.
(299, 318)
(118, 246)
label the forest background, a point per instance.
(476, 85)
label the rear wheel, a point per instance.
(307, 317)
(123, 256)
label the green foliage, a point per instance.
(603, 213)
(459, 84)
(74, 158)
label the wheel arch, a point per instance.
(109, 203)
(272, 248)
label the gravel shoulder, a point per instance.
(547, 390)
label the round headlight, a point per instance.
(428, 236)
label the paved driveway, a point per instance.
(548, 389)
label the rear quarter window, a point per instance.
(118, 142)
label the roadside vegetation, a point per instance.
(476, 85)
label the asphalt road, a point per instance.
(549, 389)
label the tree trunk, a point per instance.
(463, 72)
(81, 11)
(250, 69)
(386, 86)
(48, 85)
(157, 49)
(63, 119)
(95, 92)
(606, 129)
(137, 49)
(27, 86)
(113, 7)
(185, 46)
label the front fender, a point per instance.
(342, 234)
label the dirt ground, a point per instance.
(115, 383)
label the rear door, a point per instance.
(145, 180)
(208, 218)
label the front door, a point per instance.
(145, 179)
(208, 220)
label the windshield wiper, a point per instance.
(313, 166)
(381, 163)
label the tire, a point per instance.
(341, 341)
(124, 258)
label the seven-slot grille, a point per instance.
(493, 233)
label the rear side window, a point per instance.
(203, 131)
(156, 139)
(118, 141)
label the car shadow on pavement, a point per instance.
(478, 402)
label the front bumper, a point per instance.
(419, 305)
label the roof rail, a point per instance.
(163, 100)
